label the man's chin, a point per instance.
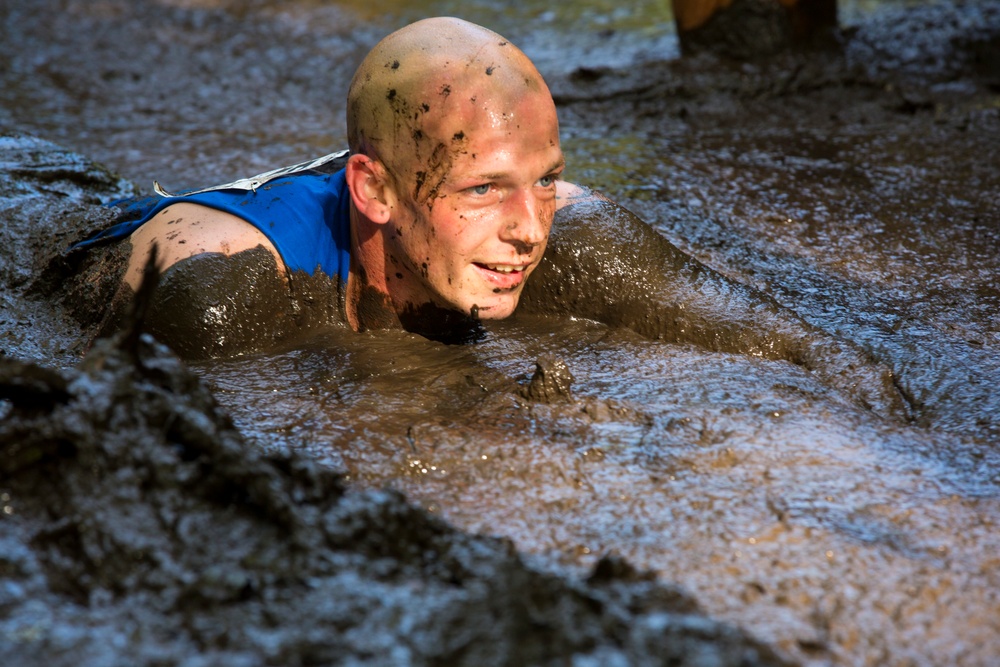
(493, 308)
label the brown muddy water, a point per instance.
(859, 186)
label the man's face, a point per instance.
(471, 223)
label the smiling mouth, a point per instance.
(503, 277)
(503, 268)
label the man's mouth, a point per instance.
(504, 268)
(503, 277)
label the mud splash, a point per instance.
(857, 187)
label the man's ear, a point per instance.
(371, 192)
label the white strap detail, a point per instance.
(255, 182)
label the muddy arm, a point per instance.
(210, 306)
(604, 263)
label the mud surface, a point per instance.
(856, 186)
(140, 528)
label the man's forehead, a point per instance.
(497, 160)
(469, 104)
(497, 172)
(481, 114)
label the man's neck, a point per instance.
(368, 304)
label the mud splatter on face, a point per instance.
(421, 176)
(438, 167)
(489, 70)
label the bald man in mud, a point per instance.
(450, 200)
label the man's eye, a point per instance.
(546, 181)
(480, 189)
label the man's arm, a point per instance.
(223, 288)
(604, 263)
(183, 230)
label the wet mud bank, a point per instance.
(857, 187)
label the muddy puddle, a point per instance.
(858, 186)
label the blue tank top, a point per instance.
(305, 214)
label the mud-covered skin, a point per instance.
(211, 305)
(441, 324)
(207, 306)
(606, 264)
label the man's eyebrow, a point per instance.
(500, 175)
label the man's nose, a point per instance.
(527, 220)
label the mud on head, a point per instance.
(424, 88)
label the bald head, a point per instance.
(423, 89)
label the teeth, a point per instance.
(503, 268)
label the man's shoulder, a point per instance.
(568, 194)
